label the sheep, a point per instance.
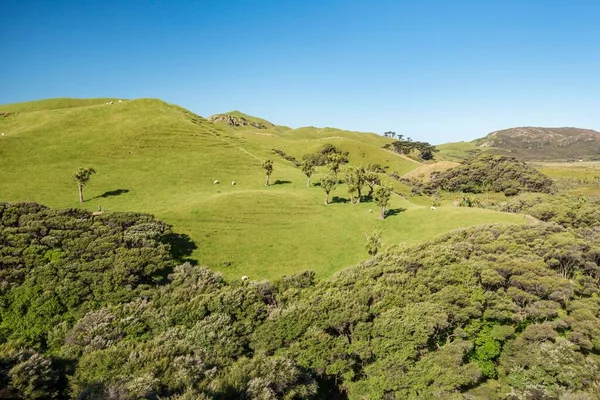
(433, 208)
(244, 278)
(216, 182)
(120, 101)
(111, 102)
(370, 211)
(232, 183)
(2, 133)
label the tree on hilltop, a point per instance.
(328, 184)
(308, 168)
(382, 199)
(82, 177)
(268, 166)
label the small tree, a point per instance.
(328, 184)
(382, 199)
(268, 166)
(351, 182)
(371, 179)
(334, 161)
(373, 243)
(82, 177)
(359, 173)
(308, 168)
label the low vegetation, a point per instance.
(489, 312)
(492, 173)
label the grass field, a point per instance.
(575, 177)
(157, 158)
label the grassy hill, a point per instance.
(154, 157)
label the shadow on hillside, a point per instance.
(111, 193)
(278, 182)
(336, 199)
(394, 211)
(182, 246)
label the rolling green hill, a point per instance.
(155, 157)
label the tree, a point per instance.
(351, 183)
(308, 168)
(355, 180)
(82, 177)
(371, 179)
(328, 184)
(334, 161)
(268, 166)
(382, 199)
(373, 242)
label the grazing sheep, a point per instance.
(2, 133)
(232, 183)
(111, 102)
(244, 278)
(433, 207)
(370, 211)
(120, 101)
(216, 182)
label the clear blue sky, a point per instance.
(432, 70)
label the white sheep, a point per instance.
(120, 101)
(244, 278)
(433, 208)
(232, 183)
(216, 182)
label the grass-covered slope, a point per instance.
(154, 157)
(53, 104)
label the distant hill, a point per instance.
(533, 143)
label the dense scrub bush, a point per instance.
(491, 173)
(499, 311)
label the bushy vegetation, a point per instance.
(93, 307)
(418, 150)
(564, 209)
(492, 173)
(326, 154)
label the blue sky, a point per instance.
(432, 70)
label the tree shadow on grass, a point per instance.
(182, 246)
(278, 182)
(336, 199)
(394, 211)
(111, 193)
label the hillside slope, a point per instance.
(533, 143)
(159, 158)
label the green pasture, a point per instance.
(157, 158)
